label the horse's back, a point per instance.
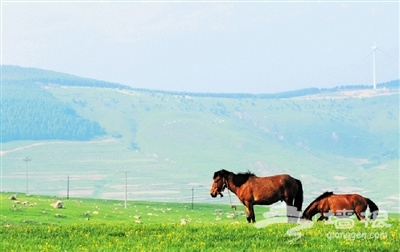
(272, 188)
(353, 197)
(346, 201)
(278, 177)
(274, 180)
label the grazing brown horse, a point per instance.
(343, 205)
(252, 190)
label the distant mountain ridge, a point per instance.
(39, 76)
(47, 77)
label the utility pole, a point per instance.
(68, 187)
(126, 188)
(26, 160)
(192, 196)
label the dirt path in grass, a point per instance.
(20, 148)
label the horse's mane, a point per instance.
(238, 179)
(223, 173)
(322, 196)
(241, 178)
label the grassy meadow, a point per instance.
(30, 223)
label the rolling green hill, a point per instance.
(345, 139)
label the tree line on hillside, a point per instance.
(28, 112)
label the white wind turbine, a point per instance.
(374, 47)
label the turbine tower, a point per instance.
(374, 47)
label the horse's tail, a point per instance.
(298, 199)
(373, 208)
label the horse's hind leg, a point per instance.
(292, 213)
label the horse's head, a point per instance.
(219, 183)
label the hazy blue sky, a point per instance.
(251, 47)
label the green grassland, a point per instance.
(83, 224)
(37, 210)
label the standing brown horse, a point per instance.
(340, 205)
(252, 190)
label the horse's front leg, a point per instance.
(360, 216)
(360, 213)
(249, 212)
